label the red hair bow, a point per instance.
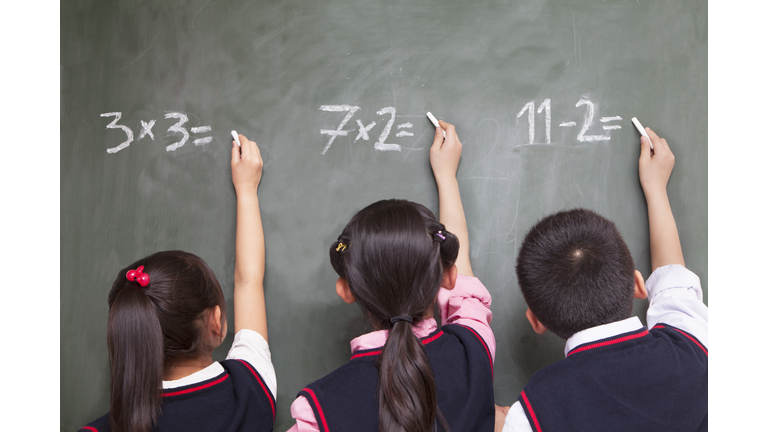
(139, 276)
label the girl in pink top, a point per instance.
(392, 259)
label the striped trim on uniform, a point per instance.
(482, 341)
(425, 341)
(686, 334)
(638, 334)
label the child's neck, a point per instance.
(185, 367)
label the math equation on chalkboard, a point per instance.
(145, 130)
(389, 114)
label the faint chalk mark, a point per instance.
(134, 61)
(200, 10)
(414, 145)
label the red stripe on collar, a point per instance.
(377, 352)
(194, 389)
(608, 342)
(428, 340)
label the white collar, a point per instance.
(211, 371)
(602, 331)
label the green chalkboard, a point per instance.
(541, 93)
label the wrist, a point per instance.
(656, 196)
(246, 192)
(654, 190)
(446, 180)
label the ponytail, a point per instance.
(393, 255)
(407, 395)
(154, 322)
(135, 341)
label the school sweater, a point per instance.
(622, 376)
(233, 395)
(461, 355)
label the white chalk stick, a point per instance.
(642, 131)
(434, 121)
(236, 138)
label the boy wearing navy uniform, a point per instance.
(579, 281)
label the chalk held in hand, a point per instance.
(434, 121)
(642, 131)
(236, 138)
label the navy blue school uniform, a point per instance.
(463, 374)
(238, 398)
(622, 376)
(460, 354)
(640, 381)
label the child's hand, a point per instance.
(246, 165)
(501, 416)
(445, 154)
(655, 166)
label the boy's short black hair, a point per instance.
(576, 272)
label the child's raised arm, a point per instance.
(250, 308)
(444, 157)
(655, 168)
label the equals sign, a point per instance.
(201, 129)
(608, 119)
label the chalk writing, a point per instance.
(608, 119)
(146, 130)
(530, 111)
(404, 133)
(126, 129)
(177, 128)
(351, 110)
(588, 122)
(380, 145)
(546, 107)
(362, 130)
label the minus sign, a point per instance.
(567, 124)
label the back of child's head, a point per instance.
(392, 255)
(150, 327)
(575, 272)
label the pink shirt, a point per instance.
(468, 303)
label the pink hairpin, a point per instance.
(138, 276)
(439, 235)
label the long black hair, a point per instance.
(393, 255)
(151, 327)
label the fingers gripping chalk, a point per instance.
(234, 136)
(642, 131)
(434, 121)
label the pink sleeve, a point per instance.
(304, 416)
(469, 303)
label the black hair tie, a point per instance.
(401, 318)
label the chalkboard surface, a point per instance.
(335, 93)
